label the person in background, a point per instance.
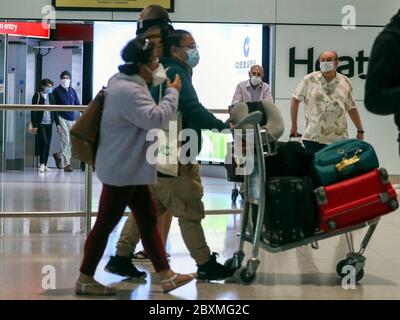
(64, 94)
(382, 88)
(129, 113)
(253, 89)
(42, 123)
(327, 96)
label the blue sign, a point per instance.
(246, 47)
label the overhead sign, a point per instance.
(133, 5)
(25, 29)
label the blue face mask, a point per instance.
(47, 90)
(193, 57)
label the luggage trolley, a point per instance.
(255, 195)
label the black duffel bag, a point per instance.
(291, 160)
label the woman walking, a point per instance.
(121, 165)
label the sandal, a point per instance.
(142, 256)
(176, 281)
(93, 289)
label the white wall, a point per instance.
(379, 131)
(314, 15)
(369, 12)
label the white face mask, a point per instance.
(65, 83)
(327, 66)
(159, 75)
(255, 81)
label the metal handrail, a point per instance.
(41, 214)
(82, 214)
(87, 213)
(52, 107)
(38, 107)
(88, 169)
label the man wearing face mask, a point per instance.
(182, 195)
(327, 96)
(64, 94)
(253, 89)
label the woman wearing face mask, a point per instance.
(42, 122)
(254, 89)
(121, 165)
(64, 94)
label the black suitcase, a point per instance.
(232, 164)
(291, 212)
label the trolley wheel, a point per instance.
(360, 275)
(234, 195)
(343, 263)
(230, 263)
(247, 277)
(394, 204)
(339, 268)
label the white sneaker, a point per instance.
(41, 168)
(47, 169)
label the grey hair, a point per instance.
(256, 65)
(336, 55)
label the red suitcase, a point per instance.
(356, 200)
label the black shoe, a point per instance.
(212, 270)
(122, 266)
(57, 159)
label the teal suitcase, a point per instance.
(344, 159)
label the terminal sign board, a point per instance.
(25, 29)
(131, 5)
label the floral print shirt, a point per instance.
(326, 105)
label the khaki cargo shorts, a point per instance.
(180, 195)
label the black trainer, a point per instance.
(123, 266)
(212, 270)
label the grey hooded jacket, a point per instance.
(129, 112)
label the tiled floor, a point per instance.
(27, 245)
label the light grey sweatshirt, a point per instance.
(129, 112)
